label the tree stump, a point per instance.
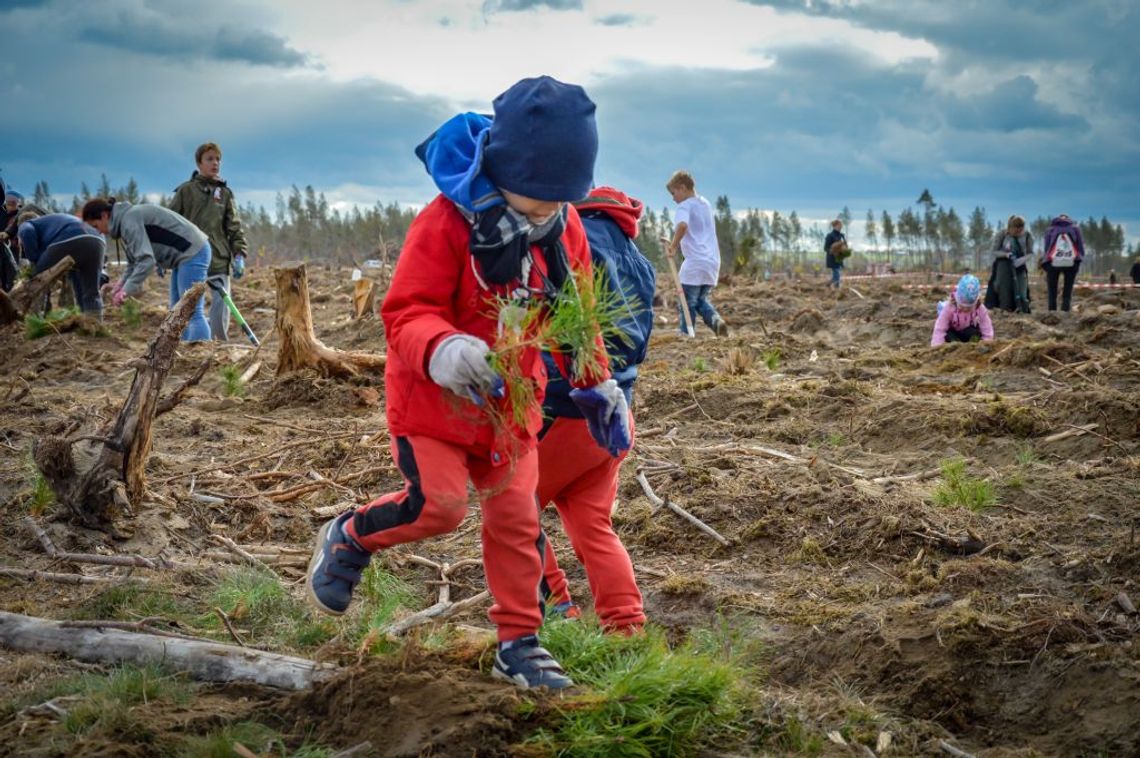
(363, 298)
(28, 294)
(100, 477)
(300, 348)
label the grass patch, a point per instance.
(647, 699)
(36, 326)
(232, 385)
(771, 358)
(382, 595)
(1027, 456)
(699, 364)
(259, 738)
(262, 610)
(130, 602)
(108, 698)
(958, 488)
(739, 361)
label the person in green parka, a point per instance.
(208, 203)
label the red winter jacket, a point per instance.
(434, 294)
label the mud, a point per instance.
(1000, 631)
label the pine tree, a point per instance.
(888, 226)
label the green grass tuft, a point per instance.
(699, 364)
(647, 699)
(771, 358)
(259, 738)
(232, 385)
(958, 488)
(108, 698)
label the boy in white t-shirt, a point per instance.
(694, 233)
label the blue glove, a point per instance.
(607, 415)
(239, 266)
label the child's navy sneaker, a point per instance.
(529, 665)
(566, 610)
(335, 568)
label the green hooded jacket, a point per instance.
(209, 205)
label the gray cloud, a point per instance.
(164, 36)
(617, 19)
(510, 6)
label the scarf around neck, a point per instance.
(500, 243)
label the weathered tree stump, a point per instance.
(300, 348)
(102, 476)
(363, 298)
(27, 295)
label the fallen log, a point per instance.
(28, 294)
(299, 346)
(101, 477)
(207, 661)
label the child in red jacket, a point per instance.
(501, 231)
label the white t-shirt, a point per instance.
(702, 255)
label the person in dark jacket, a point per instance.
(1061, 255)
(207, 202)
(834, 261)
(155, 237)
(580, 478)
(1134, 272)
(1008, 287)
(46, 240)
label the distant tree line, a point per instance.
(302, 226)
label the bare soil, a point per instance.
(1004, 632)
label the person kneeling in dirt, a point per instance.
(576, 475)
(155, 237)
(46, 240)
(694, 234)
(962, 317)
(499, 242)
(1009, 276)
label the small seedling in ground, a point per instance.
(771, 358)
(36, 326)
(958, 488)
(132, 313)
(699, 364)
(232, 384)
(1026, 456)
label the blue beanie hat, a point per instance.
(968, 290)
(543, 141)
(13, 194)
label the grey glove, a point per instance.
(459, 364)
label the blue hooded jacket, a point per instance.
(610, 220)
(38, 234)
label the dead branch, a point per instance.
(438, 612)
(49, 576)
(1071, 431)
(210, 661)
(100, 481)
(28, 294)
(167, 404)
(653, 498)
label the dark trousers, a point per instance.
(9, 272)
(968, 334)
(1070, 275)
(87, 252)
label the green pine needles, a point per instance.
(585, 309)
(36, 326)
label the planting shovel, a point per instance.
(220, 291)
(684, 302)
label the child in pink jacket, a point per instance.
(962, 317)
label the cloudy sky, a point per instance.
(1025, 106)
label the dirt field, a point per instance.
(811, 438)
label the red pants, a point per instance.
(582, 479)
(434, 501)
